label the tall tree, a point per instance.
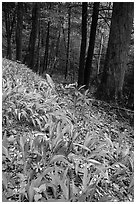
(68, 43)
(19, 29)
(30, 57)
(47, 41)
(45, 61)
(88, 65)
(37, 66)
(83, 45)
(56, 50)
(117, 52)
(9, 9)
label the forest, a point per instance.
(67, 101)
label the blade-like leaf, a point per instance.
(4, 180)
(85, 178)
(5, 152)
(50, 81)
(82, 146)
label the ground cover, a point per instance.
(60, 144)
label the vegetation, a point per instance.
(47, 38)
(57, 144)
(67, 103)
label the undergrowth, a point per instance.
(57, 146)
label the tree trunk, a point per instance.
(88, 65)
(37, 67)
(30, 58)
(117, 51)
(19, 29)
(68, 43)
(45, 62)
(100, 54)
(56, 51)
(64, 38)
(83, 45)
(9, 50)
(9, 9)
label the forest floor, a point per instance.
(62, 145)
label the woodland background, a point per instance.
(69, 41)
(67, 102)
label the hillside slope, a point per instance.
(60, 144)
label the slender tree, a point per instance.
(37, 66)
(64, 36)
(19, 29)
(9, 9)
(56, 49)
(47, 41)
(45, 61)
(88, 65)
(68, 43)
(100, 53)
(117, 52)
(83, 45)
(30, 57)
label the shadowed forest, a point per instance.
(67, 101)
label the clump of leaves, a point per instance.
(52, 169)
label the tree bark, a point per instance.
(9, 47)
(68, 43)
(19, 29)
(100, 53)
(45, 62)
(9, 15)
(83, 45)
(88, 65)
(30, 58)
(56, 50)
(111, 86)
(37, 67)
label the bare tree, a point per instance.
(68, 43)
(88, 65)
(30, 56)
(9, 9)
(83, 45)
(19, 29)
(117, 52)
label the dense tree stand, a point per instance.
(117, 52)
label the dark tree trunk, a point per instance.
(117, 52)
(10, 16)
(68, 43)
(57, 44)
(64, 38)
(83, 45)
(100, 54)
(45, 62)
(19, 29)
(30, 58)
(56, 50)
(37, 66)
(9, 49)
(88, 65)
